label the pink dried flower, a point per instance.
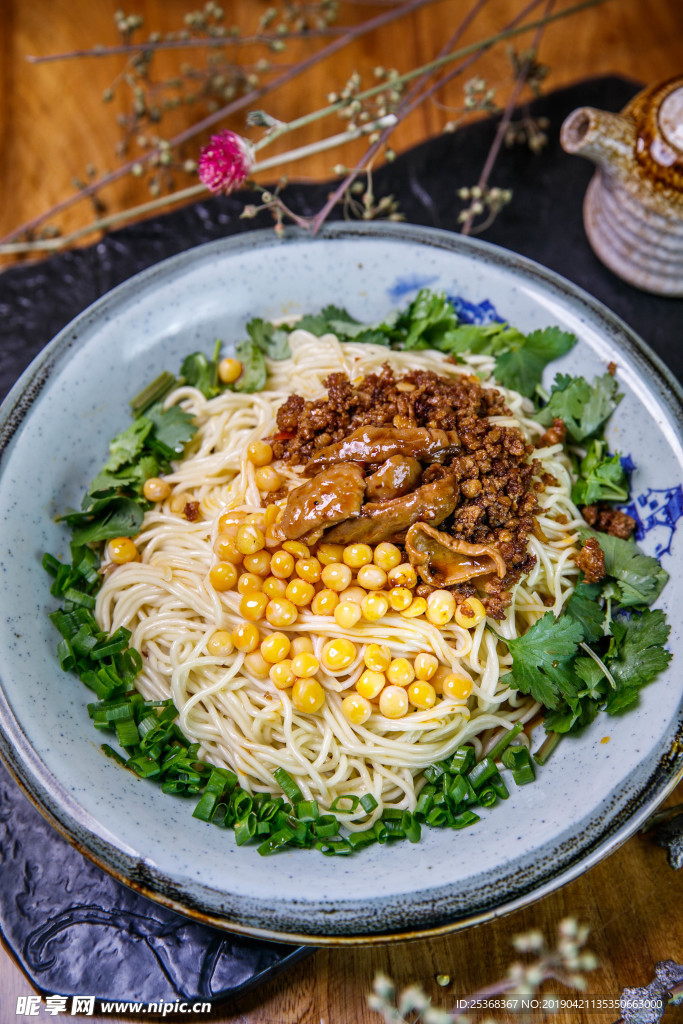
(226, 162)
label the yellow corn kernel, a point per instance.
(300, 593)
(305, 665)
(403, 575)
(275, 647)
(324, 602)
(223, 576)
(353, 594)
(338, 654)
(440, 607)
(356, 709)
(274, 587)
(347, 614)
(281, 612)
(371, 684)
(470, 613)
(270, 515)
(230, 522)
(371, 577)
(254, 519)
(257, 665)
(220, 644)
(400, 598)
(249, 539)
(297, 548)
(229, 370)
(377, 658)
(258, 563)
(248, 582)
(301, 645)
(425, 666)
(245, 637)
(421, 694)
(308, 569)
(227, 550)
(418, 606)
(374, 606)
(387, 556)
(442, 672)
(393, 702)
(253, 605)
(178, 502)
(122, 550)
(156, 489)
(357, 555)
(336, 576)
(281, 674)
(308, 695)
(259, 453)
(400, 672)
(267, 479)
(282, 564)
(329, 553)
(457, 687)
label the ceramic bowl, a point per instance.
(56, 424)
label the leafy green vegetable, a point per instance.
(636, 656)
(254, 371)
(202, 373)
(639, 578)
(173, 427)
(583, 606)
(584, 407)
(521, 367)
(601, 477)
(105, 518)
(430, 321)
(272, 341)
(540, 659)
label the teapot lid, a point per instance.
(658, 116)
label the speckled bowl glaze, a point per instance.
(56, 424)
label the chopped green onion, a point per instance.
(288, 785)
(336, 807)
(505, 740)
(307, 810)
(547, 747)
(245, 829)
(463, 759)
(465, 819)
(478, 775)
(368, 803)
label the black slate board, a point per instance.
(72, 928)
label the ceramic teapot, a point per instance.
(633, 209)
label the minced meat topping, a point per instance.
(485, 467)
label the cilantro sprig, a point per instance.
(430, 321)
(601, 477)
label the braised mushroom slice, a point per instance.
(394, 478)
(330, 497)
(445, 561)
(385, 520)
(373, 445)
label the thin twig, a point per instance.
(183, 44)
(247, 100)
(504, 122)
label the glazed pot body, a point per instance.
(633, 210)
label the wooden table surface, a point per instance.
(52, 124)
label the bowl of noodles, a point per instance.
(335, 585)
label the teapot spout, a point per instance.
(607, 139)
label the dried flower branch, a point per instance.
(374, 111)
(567, 963)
